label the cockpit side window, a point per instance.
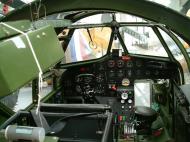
(177, 54)
(185, 44)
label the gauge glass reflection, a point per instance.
(125, 82)
(120, 63)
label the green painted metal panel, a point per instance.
(17, 65)
(22, 25)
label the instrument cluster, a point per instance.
(107, 75)
(136, 68)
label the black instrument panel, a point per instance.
(114, 70)
(107, 75)
(111, 82)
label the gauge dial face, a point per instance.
(147, 72)
(120, 63)
(120, 73)
(111, 63)
(111, 74)
(101, 67)
(138, 72)
(125, 82)
(129, 64)
(139, 63)
(129, 73)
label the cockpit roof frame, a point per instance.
(160, 14)
(146, 9)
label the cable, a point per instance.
(38, 10)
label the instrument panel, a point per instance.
(111, 81)
(113, 72)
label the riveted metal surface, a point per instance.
(22, 25)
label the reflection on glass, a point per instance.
(186, 46)
(87, 44)
(142, 94)
(19, 99)
(173, 4)
(177, 55)
(10, 100)
(22, 98)
(121, 17)
(142, 40)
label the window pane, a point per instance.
(177, 55)
(186, 46)
(122, 17)
(19, 99)
(142, 40)
(10, 100)
(108, 17)
(95, 19)
(88, 44)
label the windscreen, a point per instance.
(142, 40)
(88, 44)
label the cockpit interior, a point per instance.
(114, 75)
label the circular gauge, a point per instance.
(111, 63)
(138, 63)
(138, 72)
(147, 72)
(156, 72)
(129, 73)
(120, 63)
(111, 74)
(125, 82)
(101, 67)
(120, 73)
(130, 64)
(100, 78)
